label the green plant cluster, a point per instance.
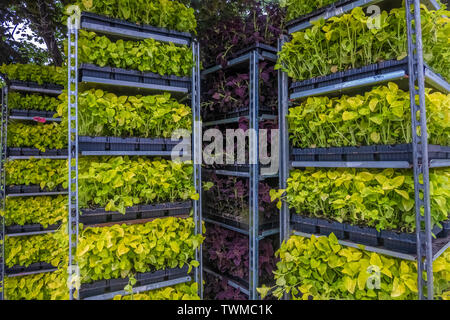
(35, 210)
(184, 291)
(42, 286)
(323, 269)
(355, 40)
(105, 114)
(23, 251)
(40, 136)
(34, 73)
(47, 173)
(381, 116)
(147, 55)
(32, 102)
(120, 182)
(168, 14)
(377, 198)
(298, 8)
(120, 251)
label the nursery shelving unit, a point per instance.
(412, 73)
(10, 154)
(247, 59)
(89, 76)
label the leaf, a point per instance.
(375, 137)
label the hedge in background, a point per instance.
(119, 251)
(159, 13)
(348, 41)
(35, 73)
(323, 269)
(377, 198)
(147, 55)
(381, 116)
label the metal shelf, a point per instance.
(352, 164)
(337, 11)
(149, 287)
(27, 234)
(440, 246)
(22, 274)
(37, 194)
(237, 119)
(37, 157)
(35, 90)
(265, 53)
(33, 119)
(123, 29)
(230, 282)
(130, 153)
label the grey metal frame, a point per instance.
(419, 75)
(73, 81)
(73, 271)
(3, 150)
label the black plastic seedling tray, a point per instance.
(35, 85)
(316, 13)
(350, 75)
(104, 144)
(31, 189)
(132, 77)
(16, 229)
(39, 266)
(391, 240)
(402, 152)
(31, 113)
(114, 285)
(125, 26)
(238, 113)
(32, 152)
(162, 210)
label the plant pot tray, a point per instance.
(32, 268)
(115, 285)
(131, 78)
(31, 190)
(162, 147)
(401, 152)
(32, 114)
(30, 86)
(209, 116)
(33, 152)
(162, 210)
(398, 242)
(116, 27)
(17, 230)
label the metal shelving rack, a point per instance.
(251, 58)
(17, 86)
(76, 80)
(418, 76)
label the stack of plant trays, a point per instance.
(251, 225)
(126, 82)
(8, 154)
(408, 73)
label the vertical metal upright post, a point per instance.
(72, 88)
(283, 110)
(3, 155)
(254, 176)
(197, 160)
(420, 149)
